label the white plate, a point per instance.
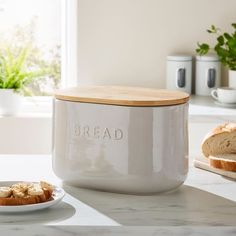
(58, 195)
(228, 105)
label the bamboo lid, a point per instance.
(123, 96)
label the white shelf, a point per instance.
(205, 106)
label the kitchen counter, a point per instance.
(205, 203)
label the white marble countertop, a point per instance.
(205, 203)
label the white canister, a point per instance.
(179, 73)
(208, 74)
(121, 139)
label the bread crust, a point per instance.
(227, 165)
(12, 201)
(221, 129)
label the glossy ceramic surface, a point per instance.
(120, 148)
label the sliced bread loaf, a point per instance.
(220, 147)
(222, 140)
(223, 161)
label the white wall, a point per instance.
(126, 42)
(25, 135)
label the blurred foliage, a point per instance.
(43, 61)
(14, 72)
(225, 46)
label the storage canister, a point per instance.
(179, 73)
(208, 74)
(121, 139)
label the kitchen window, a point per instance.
(48, 28)
(35, 26)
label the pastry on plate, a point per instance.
(24, 193)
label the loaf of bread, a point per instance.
(220, 147)
(25, 193)
(222, 140)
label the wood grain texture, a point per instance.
(124, 96)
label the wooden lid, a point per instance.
(123, 96)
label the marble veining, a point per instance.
(205, 203)
(116, 231)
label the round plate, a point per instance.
(58, 195)
(227, 105)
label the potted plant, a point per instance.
(225, 48)
(15, 76)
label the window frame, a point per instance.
(69, 43)
(42, 105)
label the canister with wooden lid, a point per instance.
(121, 139)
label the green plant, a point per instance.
(42, 61)
(14, 71)
(225, 46)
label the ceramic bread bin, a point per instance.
(121, 139)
